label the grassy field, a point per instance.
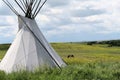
(90, 62)
(86, 54)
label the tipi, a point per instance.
(30, 49)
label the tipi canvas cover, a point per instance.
(30, 50)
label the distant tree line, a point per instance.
(4, 46)
(110, 42)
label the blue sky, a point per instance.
(69, 21)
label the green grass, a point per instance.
(87, 71)
(96, 62)
(3, 50)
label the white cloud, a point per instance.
(73, 17)
(8, 26)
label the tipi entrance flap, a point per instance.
(38, 34)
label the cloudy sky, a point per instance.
(69, 21)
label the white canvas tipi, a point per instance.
(30, 49)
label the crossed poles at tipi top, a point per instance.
(30, 8)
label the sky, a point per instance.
(69, 21)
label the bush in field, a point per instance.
(91, 43)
